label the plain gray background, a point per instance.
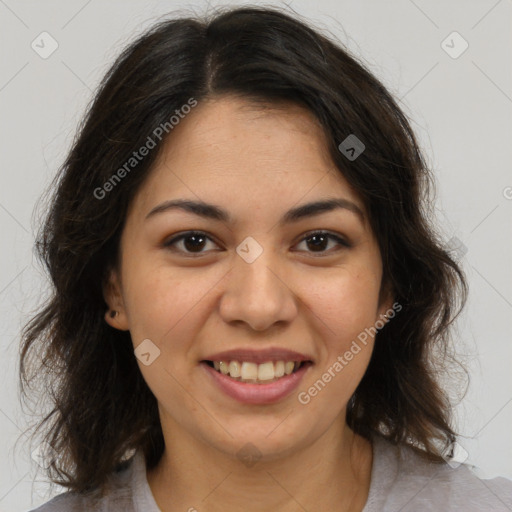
(460, 107)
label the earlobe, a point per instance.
(109, 315)
(115, 315)
(116, 320)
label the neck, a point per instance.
(333, 473)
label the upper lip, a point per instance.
(258, 356)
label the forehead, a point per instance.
(236, 128)
(229, 147)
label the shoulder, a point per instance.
(116, 496)
(66, 502)
(403, 480)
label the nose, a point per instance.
(257, 294)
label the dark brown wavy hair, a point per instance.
(100, 408)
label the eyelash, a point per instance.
(188, 234)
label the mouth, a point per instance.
(256, 373)
(255, 383)
(256, 376)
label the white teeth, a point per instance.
(249, 371)
(266, 371)
(252, 372)
(279, 368)
(234, 369)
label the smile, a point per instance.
(253, 383)
(254, 373)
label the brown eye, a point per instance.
(192, 242)
(318, 241)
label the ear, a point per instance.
(115, 316)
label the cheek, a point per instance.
(344, 312)
(164, 306)
(347, 303)
(159, 299)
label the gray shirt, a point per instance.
(401, 481)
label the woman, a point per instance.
(248, 298)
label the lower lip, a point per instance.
(257, 393)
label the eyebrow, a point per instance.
(211, 211)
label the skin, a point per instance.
(257, 164)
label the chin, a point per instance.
(265, 440)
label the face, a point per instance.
(254, 279)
